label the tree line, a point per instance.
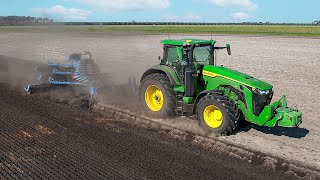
(28, 20)
(316, 22)
(24, 20)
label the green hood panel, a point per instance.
(219, 71)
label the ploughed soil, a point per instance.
(43, 138)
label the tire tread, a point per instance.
(230, 107)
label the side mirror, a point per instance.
(228, 49)
(161, 60)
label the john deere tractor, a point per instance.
(187, 81)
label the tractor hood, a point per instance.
(219, 71)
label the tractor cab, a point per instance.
(189, 55)
(175, 51)
(192, 53)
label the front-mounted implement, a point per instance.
(187, 81)
(79, 72)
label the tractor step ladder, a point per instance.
(179, 103)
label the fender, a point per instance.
(164, 70)
(204, 93)
(220, 92)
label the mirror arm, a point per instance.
(219, 47)
(227, 47)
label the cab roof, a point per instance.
(182, 42)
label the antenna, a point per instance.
(169, 36)
(211, 36)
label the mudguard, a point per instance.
(164, 70)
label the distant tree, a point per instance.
(23, 20)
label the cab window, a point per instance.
(172, 55)
(203, 54)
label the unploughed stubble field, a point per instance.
(278, 30)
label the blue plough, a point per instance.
(79, 71)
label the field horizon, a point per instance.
(273, 30)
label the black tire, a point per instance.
(226, 106)
(166, 87)
(237, 114)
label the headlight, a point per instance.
(265, 92)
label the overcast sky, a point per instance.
(297, 11)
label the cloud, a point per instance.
(240, 16)
(60, 11)
(119, 5)
(187, 18)
(245, 4)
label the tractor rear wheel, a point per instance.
(217, 114)
(157, 97)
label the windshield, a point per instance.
(203, 54)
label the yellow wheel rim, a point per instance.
(154, 98)
(212, 116)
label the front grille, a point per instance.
(259, 101)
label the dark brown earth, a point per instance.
(44, 139)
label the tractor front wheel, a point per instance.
(157, 97)
(217, 114)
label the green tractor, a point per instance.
(187, 82)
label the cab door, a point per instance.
(175, 58)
